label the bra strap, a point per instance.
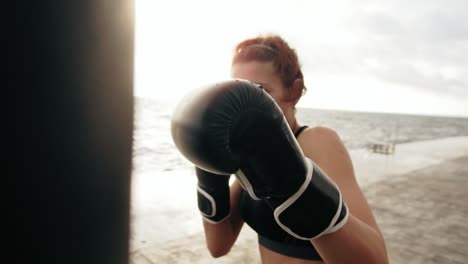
(299, 131)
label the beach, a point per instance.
(417, 195)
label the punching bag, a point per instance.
(70, 147)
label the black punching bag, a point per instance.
(71, 75)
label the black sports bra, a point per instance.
(258, 215)
(299, 131)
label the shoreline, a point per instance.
(373, 167)
(172, 231)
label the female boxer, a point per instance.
(300, 195)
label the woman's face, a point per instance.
(263, 73)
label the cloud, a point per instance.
(405, 49)
(421, 44)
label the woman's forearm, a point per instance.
(355, 242)
(220, 237)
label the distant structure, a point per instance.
(382, 148)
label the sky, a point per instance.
(360, 55)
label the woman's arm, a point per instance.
(220, 237)
(360, 240)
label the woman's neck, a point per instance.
(292, 122)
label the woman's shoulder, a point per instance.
(321, 141)
(325, 147)
(320, 133)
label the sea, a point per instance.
(155, 153)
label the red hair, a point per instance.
(271, 48)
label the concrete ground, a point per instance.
(423, 214)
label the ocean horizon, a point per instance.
(154, 149)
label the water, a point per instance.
(154, 151)
(359, 129)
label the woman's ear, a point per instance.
(295, 92)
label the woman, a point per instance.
(270, 62)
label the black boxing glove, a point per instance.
(213, 195)
(236, 127)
